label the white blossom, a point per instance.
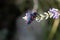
(47, 15)
(50, 14)
(38, 19)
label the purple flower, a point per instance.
(54, 12)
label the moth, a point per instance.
(29, 17)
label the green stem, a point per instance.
(54, 29)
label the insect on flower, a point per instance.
(29, 17)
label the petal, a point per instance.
(47, 15)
